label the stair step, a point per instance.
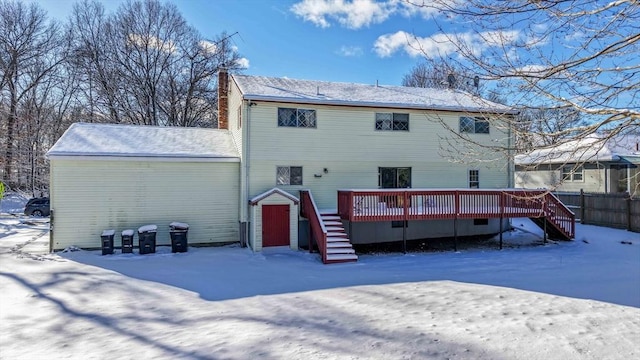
(331, 239)
(338, 257)
(337, 234)
(332, 223)
(334, 228)
(339, 244)
(328, 212)
(330, 217)
(334, 251)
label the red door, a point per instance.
(275, 225)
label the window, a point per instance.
(296, 117)
(392, 121)
(289, 175)
(474, 125)
(474, 179)
(572, 173)
(477, 222)
(394, 178)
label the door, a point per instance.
(275, 225)
(394, 178)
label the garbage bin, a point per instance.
(147, 239)
(178, 232)
(127, 241)
(107, 241)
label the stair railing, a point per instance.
(318, 230)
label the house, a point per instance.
(278, 138)
(596, 163)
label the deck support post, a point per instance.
(544, 219)
(455, 234)
(404, 236)
(500, 231)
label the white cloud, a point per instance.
(355, 14)
(441, 44)
(350, 51)
(243, 62)
(208, 46)
(152, 41)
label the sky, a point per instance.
(363, 41)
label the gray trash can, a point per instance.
(127, 241)
(107, 241)
(178, 232)
(147, 239)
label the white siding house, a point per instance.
(276, 137)
(591, 164)
(122, 177)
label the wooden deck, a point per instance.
(355, 205)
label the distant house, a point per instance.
(276, 138)
(592, 164)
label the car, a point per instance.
(37, 207)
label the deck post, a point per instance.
(544, 219)
(455, 221)
(500, 231)
(404, 236)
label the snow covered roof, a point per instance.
(594, 148)
(113, 140)
(256, 199)
(263, 88)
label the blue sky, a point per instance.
(332, 40)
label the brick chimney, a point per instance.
(223, 99)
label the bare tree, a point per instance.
(560, 60)
(30, 49)
(441, 75)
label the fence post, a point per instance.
(629, 213)
(582, 212)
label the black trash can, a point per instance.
(107, 241)
(147, 239)
(178, 232)
(127, 241)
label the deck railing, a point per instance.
(429, 204)
(318, 230)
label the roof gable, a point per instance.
(84, 139)
(352, 94)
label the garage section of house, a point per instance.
(106, 176)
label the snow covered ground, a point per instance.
(567, 300)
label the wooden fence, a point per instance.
(611, 210)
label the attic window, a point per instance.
(289, 117)
(392, 121)
(474, 125)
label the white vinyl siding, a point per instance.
(89, 196)
(352, 151)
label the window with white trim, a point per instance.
(474, 125)
(572, 173)
(392, 121)
(289, 175)
(474, 179)
(290, 117)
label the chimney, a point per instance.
(223, 99)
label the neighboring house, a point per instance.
(593, 164)
(276, 137)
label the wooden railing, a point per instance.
(429, 204)
(318, 230)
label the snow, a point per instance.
(128, 232)
(179, 225)
(82, 139)
(13, 203)
(148, 228)
(564, 300)
(108, 232)
(351, 94)
(591, 148)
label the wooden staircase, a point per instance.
(338, 247)
(327, 232)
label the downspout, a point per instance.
(511, 164)
(246, 155)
